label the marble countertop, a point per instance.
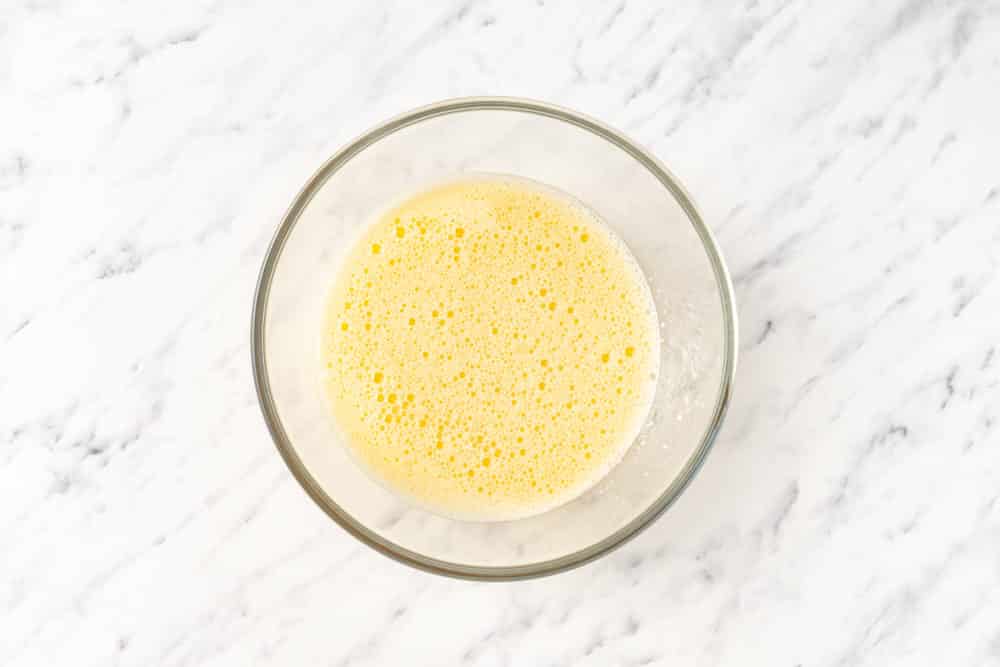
(846, 156)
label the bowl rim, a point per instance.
(371, 538)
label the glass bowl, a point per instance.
(633, 193)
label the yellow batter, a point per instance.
(490, 348)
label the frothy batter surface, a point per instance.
(489, 348)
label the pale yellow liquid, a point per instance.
(490, 348)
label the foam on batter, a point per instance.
(490, 348)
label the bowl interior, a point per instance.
(638, 201)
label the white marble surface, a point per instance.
(844, 152)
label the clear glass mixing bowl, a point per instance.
(633, 193)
